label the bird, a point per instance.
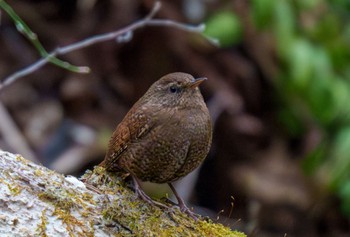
(165, 135)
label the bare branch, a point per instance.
(33, 38)
(155, 9)
(147, 21)
(24, 72)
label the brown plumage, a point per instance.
(164, 136)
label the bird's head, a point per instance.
(176, 90)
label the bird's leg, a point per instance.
(143, 195)
(182, 204)
(140, 192)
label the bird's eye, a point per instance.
(174, 89)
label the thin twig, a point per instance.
(113, 35)
(154, 10)
(24, 29)
(147, 21)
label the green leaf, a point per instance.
(307, 4)
(284, 25)
(291, 122)
(314, 159)
(300, 60)
(263, 12)
(339, 158)
(224, 26)
(344, 194)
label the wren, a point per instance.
(164, 136)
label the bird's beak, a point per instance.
(197, 81)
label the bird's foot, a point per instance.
(140, 193)
(181, 204)
(185, 209)
(149, 200)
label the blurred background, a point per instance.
(278, 93)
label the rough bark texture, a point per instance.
(36, 201)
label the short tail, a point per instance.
(109, 166)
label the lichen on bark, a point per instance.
(36, 201)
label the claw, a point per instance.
(182, 205)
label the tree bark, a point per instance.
(36, 201)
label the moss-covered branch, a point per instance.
(36, 201)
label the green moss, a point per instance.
(217, 230)
(64, 201)
(122, 210)
(14, 189)
(21, 159)
(41, 229)
(73, 225)
(58, 198)
(118, 210)
(38, 172)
